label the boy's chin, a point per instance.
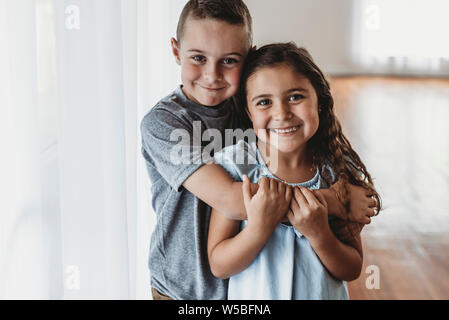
(211, 102)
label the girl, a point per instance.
(300, 145)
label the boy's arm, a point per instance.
(161, 132)
(213, 185)
(361, 204)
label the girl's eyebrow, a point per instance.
(261, 96)
(227, 54)
(296, 89)
(266, 95)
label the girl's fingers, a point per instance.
(308, 196)
(273, 185)
(264, 184)
(246, 189)
(294, 205)
(288, 192)
(302, 202)
(281, 188)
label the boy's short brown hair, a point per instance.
(234, 12)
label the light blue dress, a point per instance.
(287, 268)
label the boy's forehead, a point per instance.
(214, 36)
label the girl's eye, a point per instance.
(263, 103)
(296, 97)
(229, 61)
(198, 58)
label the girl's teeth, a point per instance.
(285, 130)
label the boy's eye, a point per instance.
(198, 58)
(296, 97)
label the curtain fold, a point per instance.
(76, 78)
(92, 149)
(22, 261)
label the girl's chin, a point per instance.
(278, 147)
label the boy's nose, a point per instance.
(212, 73)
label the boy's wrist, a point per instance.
(335, 208)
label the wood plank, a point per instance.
(399, 127)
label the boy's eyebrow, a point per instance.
(227, 54)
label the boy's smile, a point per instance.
(211, 55)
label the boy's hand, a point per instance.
(308, 213)
(362, 205)
(267, 207)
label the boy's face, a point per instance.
(211, 55)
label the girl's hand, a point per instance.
(267, 207)
(308, 213)
(362, 205)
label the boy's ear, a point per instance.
(254, 48)
(175, 50)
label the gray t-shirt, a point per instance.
(178, 250)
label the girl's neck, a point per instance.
(292, 167)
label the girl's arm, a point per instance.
(230, 251)
(309, 215)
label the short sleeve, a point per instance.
(166, 145)
(238, 160)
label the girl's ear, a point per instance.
(175, 50)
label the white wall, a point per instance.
(398, 37)
(324, 27)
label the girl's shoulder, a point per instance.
(239, 159)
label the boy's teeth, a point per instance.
(285, 130)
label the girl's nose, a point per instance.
(282, 111)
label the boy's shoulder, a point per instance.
(169, 111)
(172, 103)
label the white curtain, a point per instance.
(76, 78)
(401, 36)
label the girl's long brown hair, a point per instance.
(328, 146)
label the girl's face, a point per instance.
(283, 107)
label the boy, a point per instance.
(213, 39)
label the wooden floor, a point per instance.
(400, 128)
